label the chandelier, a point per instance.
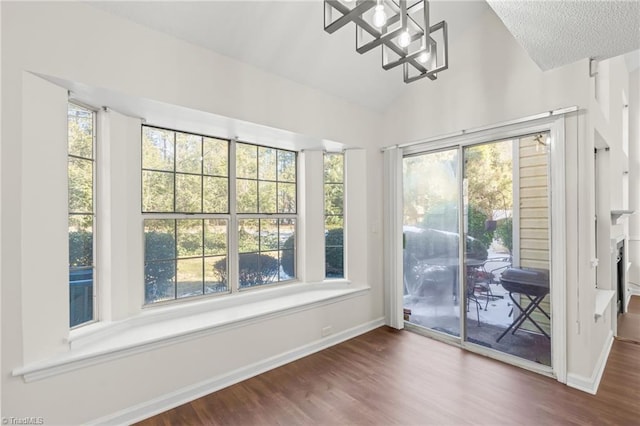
(401, 27)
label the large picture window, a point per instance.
(188, 174)
(81, 183)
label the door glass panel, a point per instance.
(430, 227)
(506, 220)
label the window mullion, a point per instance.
(175, 192)
(233, 247)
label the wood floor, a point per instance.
(390, 377)
(629, 322)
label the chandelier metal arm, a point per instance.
(377, 41)
(412, 60)
(349, 15)
(408, 58)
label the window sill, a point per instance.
(603, 300)
(157, 327)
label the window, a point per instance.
(184, 257)
(81, 182)
(266, 204)
(265, 179)
(334, 214)
(188, 174)
(184, 173)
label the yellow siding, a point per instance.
(534, 213)
(534, 223)
(535, 255)
(532, 193)
(532, 171)
(534, 244)
(535, 234)
(538, 182)
(540, 264)
(529, 149)
(534, 202)
(534, 219)
(530, 161)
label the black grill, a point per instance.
(534, 282)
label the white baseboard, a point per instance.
(590, 384)
(181, 396)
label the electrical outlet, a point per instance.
(326, 331)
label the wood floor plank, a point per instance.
(390, 377)
(629, 327)
(634, 305)
(629, 322)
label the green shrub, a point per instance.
(254, 269)
(504, 232)
(80, 248)
(334, 253)
(159, 276)
(477, 227)
(189, 244)
(476, 249)
(288, 259)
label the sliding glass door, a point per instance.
(496, 195)
(431, 248)
(506, 184)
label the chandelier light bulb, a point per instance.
(405, 39)
(424, 56)
(379, 16)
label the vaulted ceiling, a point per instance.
(287, 37)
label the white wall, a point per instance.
(608, 88)
(634, 179)
(78, 43)
(492, 80)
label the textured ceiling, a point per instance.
(555, 33)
